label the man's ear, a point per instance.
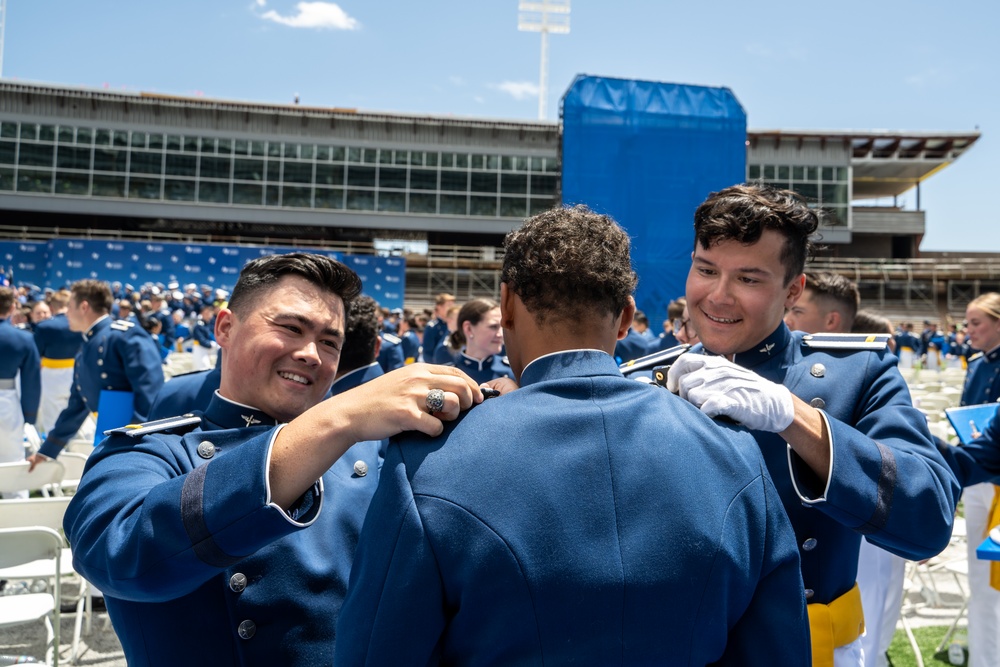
(795, 290)
(506, 307)
(223, 326)
(833, 321)
(626, 318)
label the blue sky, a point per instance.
(884, 64)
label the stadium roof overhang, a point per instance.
(884, 163)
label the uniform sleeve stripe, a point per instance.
(193, 516)
(886, 484)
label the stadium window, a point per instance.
(392, 178)
(8, 152)
(225, 146)
(456, 181)
(248, 194)
(71, 157)
(272, 195)
(215, 167)
(248, 170)
(298, 172)
(257, 148)
(8, 130)
(513, 207)
(207, 145)
(29, 180)
(47, 133)
(190, 144)
(484, 183)
(337, 153)
(423, 203)
(138, 140)
(423, 179)
(274, 149)
(107, 185)
(370, 156)
(84, 135)
(361, 200)
(798, 173)
(543, 184)
(447, 159)
(173, 142)
(513, 184)
(296, 196)
(291, 151)
(392, 202)
(119, 138)
(361, 177)
(417, 158)
(36, 155)
(29, 132)
(483, 206)
(537, 164)
(329, 198)
(454, 205)
(323, 153)
(330, 174)
(461, 161)
(6, 179)
(173, 190)
(143, 188)
(241, 147)
(177, 165)
(66, 135)
(107, 159)
(155, 141)
(385, 156)
(540, 205)
(213, 192)
(71, 183)
(273, 171)
(141, 162)
(492, 162)
(520, 164)
(431, 159)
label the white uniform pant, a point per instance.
(202, 356)
(11, 431)
(56, 385)
(849, 656)
(880, 578)
(984, 601)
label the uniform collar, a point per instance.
(480, 364)
(569, 363)
(769, 348)
(356, 378)
(225, 413)
(993, 355)
(97, 326)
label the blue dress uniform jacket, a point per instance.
(54, 339)
(390, 356)
(18, 354)
(435, 332)
(197, 567)
(411, 347)
(116, 356)
(186, 393)
(355, 378)
(484, 370)
(584, 518)
(979, 461)
(203, 333)
(887, 480)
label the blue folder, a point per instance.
(969, 421)
(114, 410)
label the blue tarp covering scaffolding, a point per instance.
(647, 154)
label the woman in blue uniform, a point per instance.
(982, 385)
(479, 336)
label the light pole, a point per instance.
(543, 16)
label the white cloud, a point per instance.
(314, 15)
(456, 80)
(260, 3)
(519, 90)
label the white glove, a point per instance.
(31, 437)
(717, 386)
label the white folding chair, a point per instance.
(14, 477)
(22, 547)
(73, 465)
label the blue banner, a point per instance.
(60, 262)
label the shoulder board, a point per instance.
(396, 340)
(843, 341)
(975, 356)
(505, 361)
(122, 325)
(135, 430)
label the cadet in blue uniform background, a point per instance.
(568, 522)
(58, 346)
(18, 356)
(982, 385)
(361, 347)
(480, 338)
(116, 356)
(849, 454)
(437, 329)
(196, 532)
(390, 356)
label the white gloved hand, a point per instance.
(717, 386)
(31, 437)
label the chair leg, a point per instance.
(913, 641)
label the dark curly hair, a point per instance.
(262, 274)
(742, 212)
(567, 262)
(360, 334)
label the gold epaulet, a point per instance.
(975, 356)
(845, 341)
(135, 430)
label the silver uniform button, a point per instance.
(810, 593)
(247, 629)
(809, 544)
(238, 582)
(206, 450)
(104, 376)
(360, 468)
(817, 370)
(818, 403)
(100, 362)
(100, 350)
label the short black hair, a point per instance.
(360, 335)
(568, 262)
(262, 274)
(741, 213)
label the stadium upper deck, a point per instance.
(96, 158)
